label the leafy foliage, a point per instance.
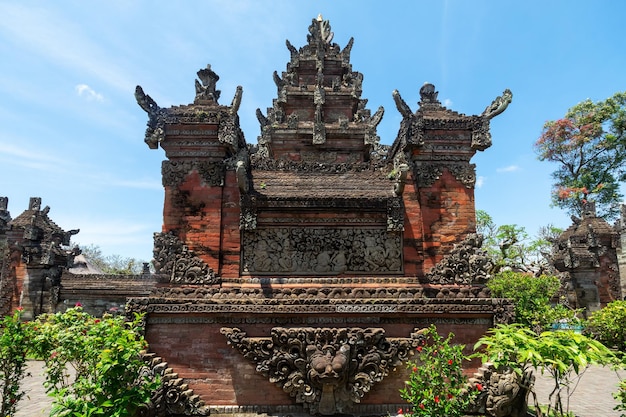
(104, 355)
(531, 296)
(510, 246)
(436, 385)
(607, 325)
(561, 354)
(14, 336)
(589, 145)
(620, 396)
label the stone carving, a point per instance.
(504, 392)
(481, 135)
(174, 172)
(173, 397)
(428, 94)
(327, 370)
(395, 213)
(248, 213)
(205, 88)
(155, 132)
(175, 260)
(427, 173)
(316, 251)
(498, 105)
(466, 264)
(464, 172)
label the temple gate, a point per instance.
(293, 274)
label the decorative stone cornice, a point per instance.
(327, 370)
(175, 260)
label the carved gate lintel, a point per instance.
(327, 370)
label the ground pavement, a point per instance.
(592, 397)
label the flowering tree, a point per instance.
(589, 145)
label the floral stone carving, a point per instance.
(466, 264)
(174, 259)
(327, 370)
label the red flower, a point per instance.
(400, 411)
(450, 361)
(422, 406)
(54, 354)
(20, 308)
(415, 369)
(78, 304)
(437, 399)
(419, 348)
(479, 387)
(96, 321)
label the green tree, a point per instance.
(111, 264)
(510, 246)
(589, 146)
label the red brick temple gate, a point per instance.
(294, 273)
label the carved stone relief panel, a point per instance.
(321, 251)
(327, 370)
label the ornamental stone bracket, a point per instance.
(175, 260)
(327, 370)
(173, 397)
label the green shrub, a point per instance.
(608, 325)
(531, 296)
(105, 357)
(14, 337)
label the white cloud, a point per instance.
(83, 90)
(447, 103)
(479, 182)
(510, 168)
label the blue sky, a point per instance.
(72, 133)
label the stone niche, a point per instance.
(295, 273)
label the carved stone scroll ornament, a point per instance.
(174, 259)
(466, 264)
(327, 370)
(173, 397)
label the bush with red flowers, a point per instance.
(437, 386)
